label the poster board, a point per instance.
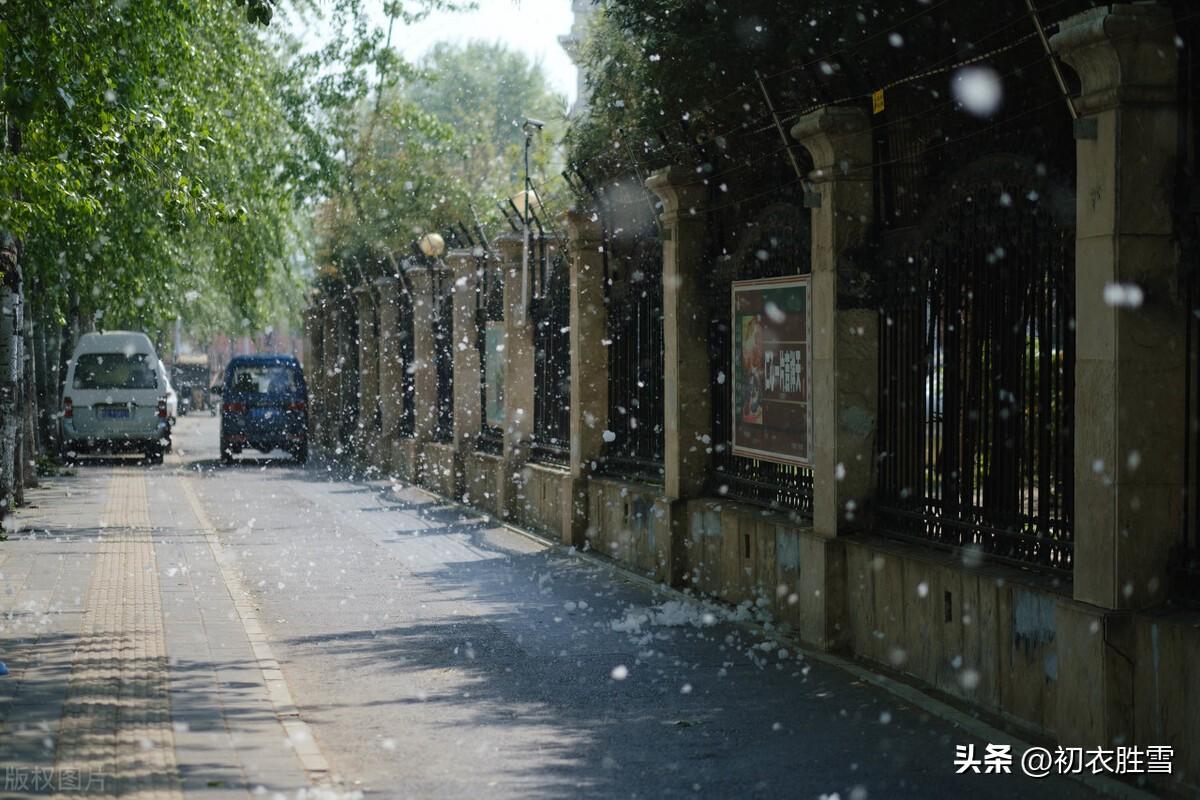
(493, 373)
(772, 370)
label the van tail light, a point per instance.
(162, 407)
(299, 405)
(233, 408)
(68, 408)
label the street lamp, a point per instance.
(530, 126)
(432, 245)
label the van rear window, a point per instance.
(262, 379)
(114, 371)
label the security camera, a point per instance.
(530, 122)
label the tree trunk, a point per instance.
(32, 447)
(45, 365)
(10, 373)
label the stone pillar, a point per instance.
(589, 364)
(424, 368)
(391, 367)
(844, 380)
(368, 369)
(308, 332)
(687, 413)
(1130, 370)
(518, 374)
(845, 340)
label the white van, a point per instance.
(113, 398)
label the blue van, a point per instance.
(264, 406)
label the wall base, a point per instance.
(632, 523)
(406, 459)
(551, 500)
(482, 473)
(441, 470)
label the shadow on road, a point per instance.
(283, 462)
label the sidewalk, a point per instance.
(132, 667)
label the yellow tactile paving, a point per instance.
(116, 736)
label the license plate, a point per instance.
(114, 413)
(262, 413)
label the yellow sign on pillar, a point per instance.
(877, 102)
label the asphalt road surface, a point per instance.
(434, 654)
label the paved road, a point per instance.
(293, 627)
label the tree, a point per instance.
(484, 91)
(148, 158)
(436, 146)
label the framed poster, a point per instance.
(493, 373)
(772, 368)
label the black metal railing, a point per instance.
(976, 376)
(550, 312)
(489, 321)
(443, 353)
(775, 243)
(405, 338)
(348, 373)
(376, 402)
(1185, 562)
(635, 358)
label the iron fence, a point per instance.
(550, 312)
(405, 339)
(1185, 577)
(443, 352)
(376, 402)
(1185, 583)
(347, 368)
(634, 299)
(489, 323)
(976, 376)
(775, 243)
